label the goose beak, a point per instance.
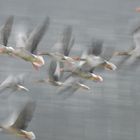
(39, 63)
(29, 135)
(137, 9)
(84, 86)
(20, 87)
(69, 59)
(110, 66)
(59, 83)
(97, 78)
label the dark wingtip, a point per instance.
(7, 29)
(47, 21)
(96, 47)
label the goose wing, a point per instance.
(95, 48)
(54, 70)
(5, 30)
(65, 42)
(136, 38)
(36, 36)
(24, 116)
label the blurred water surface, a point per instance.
(110, 110)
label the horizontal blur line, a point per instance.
(13, 69)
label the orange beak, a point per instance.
(137, 9)
(110, 66)
(96, 78)
(39, 63)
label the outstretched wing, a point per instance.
(136, 38)
(95, 48)
(36, 36)
(69, 85)
(24, 116)
(21, 39)
(54, 70)
(65, 42)
(107, 53)
(5, 30)
(8, 82)
(12, 82)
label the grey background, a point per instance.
(110, 110)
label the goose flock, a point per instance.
(68, 73)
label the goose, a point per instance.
(14, 83)
(61, 49)
(18, 121)
(133, 53)
(54, 74)
(26, 47)
(71, 85)
(5, 32)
